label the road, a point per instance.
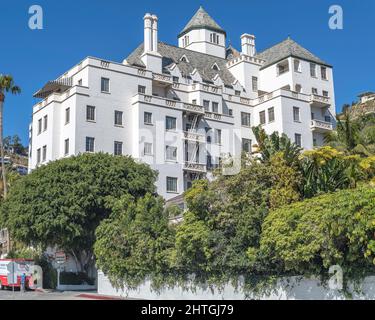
(56, 295)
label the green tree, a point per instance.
(308, 237)
(62, 203)
(134, 243)
(7, 85)
(269, 145)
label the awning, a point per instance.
(50, 87)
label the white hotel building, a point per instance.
(183, 108)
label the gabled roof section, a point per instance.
(285, 49)
(202, 20)
(197, 60)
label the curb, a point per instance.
(98, 297)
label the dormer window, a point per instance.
(184, 59)
(215, 67)
(214, 38)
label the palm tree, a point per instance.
(269, 145)
(6, 85)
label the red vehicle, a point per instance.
(21, 266)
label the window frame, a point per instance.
(121, 124)
(248, 117)
(270, 111)
(102, 85)
(88, 107)
(115, 145)
(174, 181)
(169, 120)
(88, 139)
(295, 108)
(171, 150)
(262, 116)
(144, 118)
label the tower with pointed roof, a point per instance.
(203, 34)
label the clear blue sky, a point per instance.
(112, 29)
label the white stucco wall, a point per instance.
(286, 289)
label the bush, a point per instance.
(308, 237)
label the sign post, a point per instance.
(60, 259)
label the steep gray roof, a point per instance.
(201, 20)
(286, 49)
(200, 61)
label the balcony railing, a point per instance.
(162, 78)
(195, 167)
(188, 135)
(193, 108)
(319, 101)
(321, 126)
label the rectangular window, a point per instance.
(314, 91)
(170, 123)
(325, 93)
(66, 147)
(90, 113)
(80, 82)
(327, 118)
(297, 65)
(246, 145)
(206, 105)
(209, 161)
(298, 88)
(117, 148)
(245, 119)
(67, 115)
(217, 136)
(323, 71)
(142, 89)
(171, 184)
(118, 118)
(39, 126)
(148, 118)
(90, 144)
(296, 114)
(254, 83)
(313, 70)
(262, 117)
(237, 93)
(298, 139)
(105, 85)
(45, 123)
(44, 157)
(171, 153)
(38, 156)
(271, 114)
(283, 67)
(215, 107)
(176, 79)
(147, 149)
(194, 101)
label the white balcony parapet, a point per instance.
(319, 101)
(322, 126)
(193, 108)
(162, 78)
(189, 135)
(196, 167)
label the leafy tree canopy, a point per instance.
(62, 203)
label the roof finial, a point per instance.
(289, 36)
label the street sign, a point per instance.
(60, 257)
(12, 275)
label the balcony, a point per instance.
(193, 108)
(319, 101)
(321, 126)
(163, 80)
(196, 137)
(194, 167)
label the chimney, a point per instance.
(154, 33)
(248, 45)
(148, 32)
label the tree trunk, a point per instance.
(5, 187)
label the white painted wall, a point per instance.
(295, 288)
